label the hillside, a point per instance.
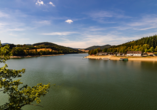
(55, 47)
(101, 47)
(151, 41)
(42, 48)
(145, 44)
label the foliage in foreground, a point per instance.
(18, 96)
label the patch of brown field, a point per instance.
(47, 49)
(83, 50)
(42, 49)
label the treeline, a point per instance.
(18, 51)
(56, 47)
(46, 49)
(146, 44)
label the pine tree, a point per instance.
(18, 96)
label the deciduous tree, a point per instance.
(18, 96)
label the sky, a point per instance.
(77, 23)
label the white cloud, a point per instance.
(59, 33)
(3, 15)
(39, 2)
(51, 4)
(2, 24)
(16, 29)
(107, 14)
(11, 34)
(101, 16)
(44, 22)
(87, 40)
(69, 21)
(95, 29)
(145, 23)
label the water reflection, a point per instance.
(84, 84)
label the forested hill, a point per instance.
(145, 44)
(101, 47)
(44, 43)
(42, 48)
(56, 47)
(151, 41)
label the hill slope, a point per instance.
(101, 47)
(151, 41)
(55, 47)
(42, 48)
(145, 44)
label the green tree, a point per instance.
(151, 49)
(146, 46)
(18, 51)
(155, 49)
(141, 49)
(145, 50)
(105, 50)
(18, 96)
(95, 51)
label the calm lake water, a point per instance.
(84, 84)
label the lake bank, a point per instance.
(12, 57)
(118, 58)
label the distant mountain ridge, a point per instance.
(101, 47)
(5, 43)
(44, 43)
(57, 47)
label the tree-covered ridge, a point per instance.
(101, 47)
(151, 41)
(43, 48)
(145, 44)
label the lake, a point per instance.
(84, 84)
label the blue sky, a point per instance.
(77, 23)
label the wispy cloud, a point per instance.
(141, 24)
(95, 29)
(43, 22)
(107, 14)
(39, 2)
(11, 34)
(147, 22)
(16, 29)
(2, 24)
(59, 33)
(3, 15)
(69, 21)
(101, 16)
(51, 4)
(91, 40)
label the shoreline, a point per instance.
(18, 57)
(118, 58)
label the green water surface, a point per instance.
(84, 84)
